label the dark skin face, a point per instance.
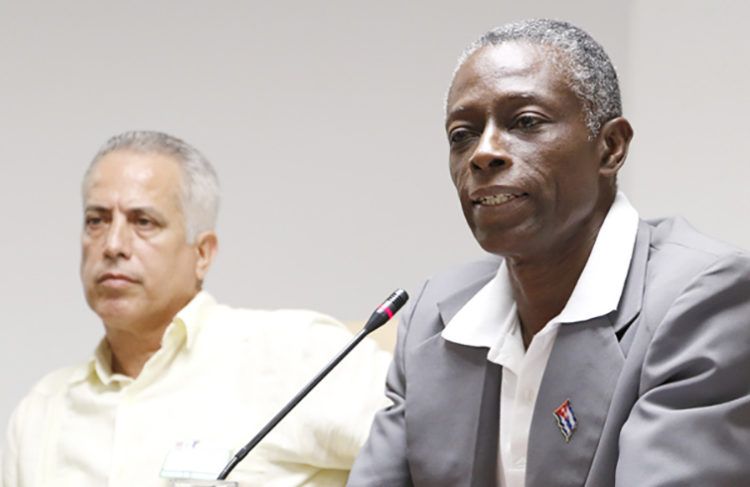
(533, 183)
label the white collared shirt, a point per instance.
(489, 319)
(219, 376)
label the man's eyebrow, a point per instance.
(456, 113)
(96, 208)
(467, 106)
(148, 210)
(520, 95)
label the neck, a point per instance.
(542, 284)
(134, 337)
(131, 350)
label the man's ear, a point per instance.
(206, 245)
(614, 140)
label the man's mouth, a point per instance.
(496, 199)
(115, 277)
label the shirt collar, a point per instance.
(476, 323)
(596, 293)
(183, 329)
(190, 317)
(600, 285)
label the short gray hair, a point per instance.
(200, 185)
(591, 75)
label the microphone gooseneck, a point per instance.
(379, 317)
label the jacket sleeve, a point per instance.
(691, 422)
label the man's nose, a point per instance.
(118, 239)
(491, 151)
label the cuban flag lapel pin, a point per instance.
(566, 419)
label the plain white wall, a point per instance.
(689, 66)
(324, 120)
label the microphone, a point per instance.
(378, 318)
(385, 311)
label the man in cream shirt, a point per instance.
(179, 382)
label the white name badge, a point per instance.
(195, 459)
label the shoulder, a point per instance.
(676, 238)
(39, 401)
(696, 289)
(243, 320)
(686, 354)
(681, 259)
(281, 331)
(58, 380)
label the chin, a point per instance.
(495, 249)
(112, 310)
(509, 246)
(512, 239)
(497, 242)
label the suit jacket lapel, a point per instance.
(484, 472)
(583, 368)
(631, 301)
(451, 305)
(455, 424)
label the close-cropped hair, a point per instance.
(199, 186)
(587, 68)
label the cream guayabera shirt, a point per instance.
(220, 375)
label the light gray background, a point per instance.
(324, 120)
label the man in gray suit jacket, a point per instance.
(594, 348)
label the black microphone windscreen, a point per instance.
(385, 311)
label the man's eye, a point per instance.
(527, 121)
(458, 136)
(93, 221)
(144, 223)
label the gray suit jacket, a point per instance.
(660, 387)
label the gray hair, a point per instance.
(589, 70)
(200, 185)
